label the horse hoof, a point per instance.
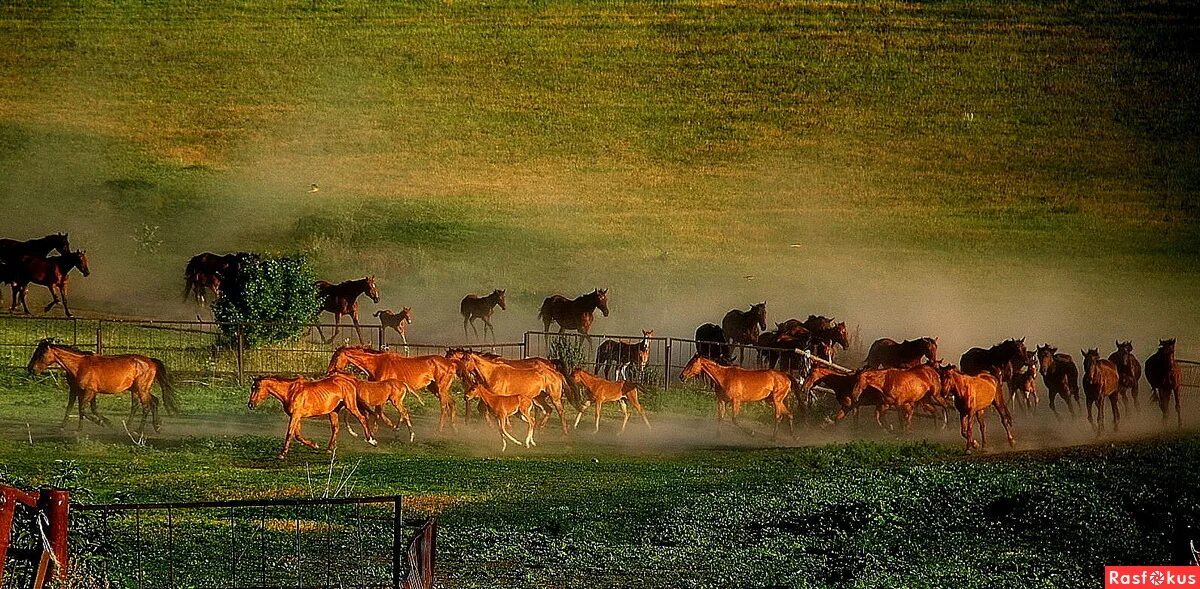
(373, 442)
(411, 437)
(281, 457)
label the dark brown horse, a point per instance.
(206, 271)
(52, 273)
(619, 355)
(743, 327)
(12, 250)
(711, 343)
(1164, 376)
(1001, 359)
(475, 307)
(1129, 370)
(342, 299)
(576, 313)
(888, 353)
(1100, 382)
(1060, 375)
(1023, 384)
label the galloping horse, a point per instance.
(475, 307)
(206, 271)
(342, 299)
(842, 386)
(1164, 376)
(574, 313)
(605, 391)
(538, 383)
(52, 273)
(458, 355)
(1024, 383)
(1100, 382)
(305, 399)
(374, 396)
(735, 386)
(1129, 370)
(397, 321)
(1001, 359)
(503, 407)
(887, 353)
(972, 396)
(417, 373)
(743, 327)
(906, 389)
(711, 343)
(91, 374)
(12, 250)
(1060, 375)
(617, 354)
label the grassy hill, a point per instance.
(846, 155)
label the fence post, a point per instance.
(74, 332)
(525, 345)
(381, 335)
(241, 348)
(397, 541)
(100, 337)
(55, 504)
(667, 367)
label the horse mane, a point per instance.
(46, 343)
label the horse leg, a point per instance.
(362, 419)
(583, 407)
(879, 411)
(475, 330)
(908, 417)
(599, 404)
(529, 443)
(331, 447)
(735, 409)
(487, 326)
(62, 289)
(357, 327)
(24, 305)
(73, 395)
(1178, 414)
(504, 429)
(981, 418)
(293, 430)
(625, 411)
(965, 418)
(1133, 391)
(1116, 414)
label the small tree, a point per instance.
(271, 299)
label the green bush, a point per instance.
(271, 300)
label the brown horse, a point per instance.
(906, 389)
(539, 383)
(604, 391)
(305, 399)
(972, 396)
(743, 327)
(12, 250)
(475, 307)
(1024, 383)
(502, 407)
(620, 355)
(819, 327)
(398, 322)
(1100, 382)
(888, 353)
(91, 374)
(206, 271)
(842, 386)
(1129, 370)
(342, 299)
(1164, 376)
(577, 313)
(374, 396)
(1060, 376)
(52, 273)
(420, 372)
(735, 386)
(1002, 359)
(457, 355)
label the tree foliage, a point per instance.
(269, 299)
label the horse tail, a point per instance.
(544, 311)
(376, 313)
(170, 400)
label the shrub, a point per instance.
(270, 299)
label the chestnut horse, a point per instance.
(1060, 376)
(972, 396)
(604, 391)
(374, 396)
(1129, 370)
(12, 250)
(305, 399)
(735, 386)
(888, 353)
(617, 354)
(906, 389)
(420, 372)
(1100, 382)
(475, 307)
(539, 383)
(457, 355)
(1164, 376)
(398, 322)
(576, 314)
(502, 408)
(842, 386)
(743, 327)
(52, 273)
(1001, 359)
(342, 299)
(91, 374)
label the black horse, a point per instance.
(1002, 359)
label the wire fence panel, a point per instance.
(579, 351)
(19, 336)
(1190, 373)
(186, 347)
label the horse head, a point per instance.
(372, 290)
(266, 385)
(60, 242)
(693, 368)
(499, 295)
(1091, 361)
(42, 357)
(931, 348)
(759, 314)
(601, 295)
(406, 315)
(1167, 345)
(79, 260)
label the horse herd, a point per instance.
(29, 262)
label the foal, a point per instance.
(503, 407)
(604, 391)
(396, 321)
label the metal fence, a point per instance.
(1190, 373)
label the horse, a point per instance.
(503, 407)
(206, 271)
(475, 307)
(888, 353)
(603, 391)
(1060, 376)
(458, 355)
(618, 354)
(743, 327)
(905, 388)
(398, 322)
(1002, 359)
(342, 299)
(972, 396)
(91, 374)
(1164, 376)
(1129, 370)
(52, 273)
(374, 396)
(735, 385)
(1100, 382)
(711, 343)
(305, 399)
(576, 313)
(1024, 383)
(842, 385)
(12, 250)
(538, 383)
(419, 372)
